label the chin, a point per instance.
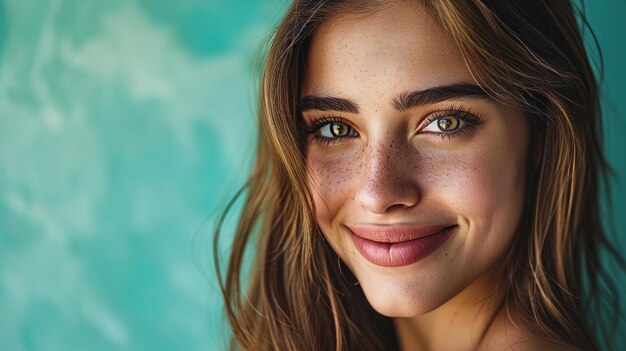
(400, 304)
(404, 297)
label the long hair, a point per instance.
(298, 295)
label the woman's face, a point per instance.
(418, 176)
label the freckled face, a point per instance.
(458, 162)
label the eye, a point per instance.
(451, 122)
(331, 130)
(336, 130)
(447, 124)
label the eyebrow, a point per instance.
(401, 102)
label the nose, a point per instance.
(389, 181)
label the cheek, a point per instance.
(472, 182)
(330, 177)
(485, 187)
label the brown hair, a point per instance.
(526, 54)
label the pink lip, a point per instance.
(398, 245)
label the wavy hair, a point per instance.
(298, 295)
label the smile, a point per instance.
(395, 246)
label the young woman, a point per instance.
(427, 178)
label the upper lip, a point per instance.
(395, 233)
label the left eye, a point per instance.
(336, 130)
(444, 124)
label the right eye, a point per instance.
(335, 130)
(330, 130)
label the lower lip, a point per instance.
(403, 253)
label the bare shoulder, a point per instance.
(505, 336)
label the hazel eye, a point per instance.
(444, 124)
(336, 130)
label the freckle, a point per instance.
(446, 254)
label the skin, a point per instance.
(397, 170)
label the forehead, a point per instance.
(372, 56)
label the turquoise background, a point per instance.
(124, 128)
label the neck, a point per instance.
(459, 324)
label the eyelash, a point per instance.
(471, 120)
(322, 121)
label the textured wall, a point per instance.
(124, 126)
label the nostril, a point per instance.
(396, 207)
(384, 192)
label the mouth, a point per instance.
(398, 245)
